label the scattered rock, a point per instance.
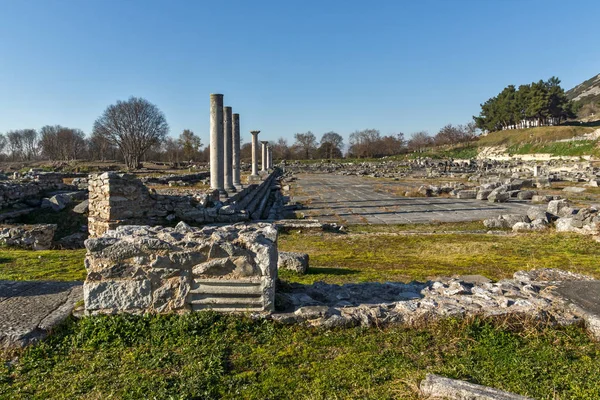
(297, 262)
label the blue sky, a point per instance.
(286, 66)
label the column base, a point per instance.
(254, 179)
(231, 189)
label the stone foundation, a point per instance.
(122, 199)
(143, 269)
(34, 237)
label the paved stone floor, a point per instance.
(359, 200)
(30, 309)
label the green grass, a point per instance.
(568, 149)
(209, 356)
(532, 135)
(460, 152)
(361, 257)
(27, 265)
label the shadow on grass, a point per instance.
(331, 271)
(4, 260)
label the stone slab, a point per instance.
(363, 200)
(584, 297)
(30, 309)
(439, 387)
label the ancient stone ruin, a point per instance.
(121, 199)
(143, 269)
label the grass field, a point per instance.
(54, 265)
(367, 254)
(542, 134)
(211, 356)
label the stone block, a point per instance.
(185, 269)
(439, 387)
(559, 208)
(114, 296)
(498, 197)
(466, 194)
(297, 262)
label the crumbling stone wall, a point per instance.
(121, 199)
(15, 192)
(143, 269)
(34, 237)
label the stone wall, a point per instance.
(143, 269)
(15, 192)
(122, 199)
(34, 237)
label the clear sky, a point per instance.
(286, 66)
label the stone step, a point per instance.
(224, 308)
(229, 301)
(221, 286)
(202, 288)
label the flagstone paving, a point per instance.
(364, 200)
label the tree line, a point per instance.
(367, 143)
(135, 130)
(537, 104)
(129, 131)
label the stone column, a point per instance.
(236, 151)
(228, 150)
(254, 153)
(271, 157)
(216, 143)
(269, 153)
(264, 156)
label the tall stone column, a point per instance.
(269, 166)
(264, 156)
(271, 157)
(236, 151)
(254, 153)
(216, 143)
(228, 150)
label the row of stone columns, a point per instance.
(225, 148)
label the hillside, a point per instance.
(586, 92)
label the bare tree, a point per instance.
(3, 142)
(173, 150)
(15, 144)
(134, 126)
(60, 143)
(281, 150)
(364, 143)
(100, 148)
(191, 144)
(419, 141)
(331, 143)
(307, 142)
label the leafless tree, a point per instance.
(307, 142)
(100, 148)
(191, 144)
(419, 141)
(173, 150)
(16, 144)
(331, 144)
(60, 143)
(134, 126)
(363, 143)
(3, 142)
